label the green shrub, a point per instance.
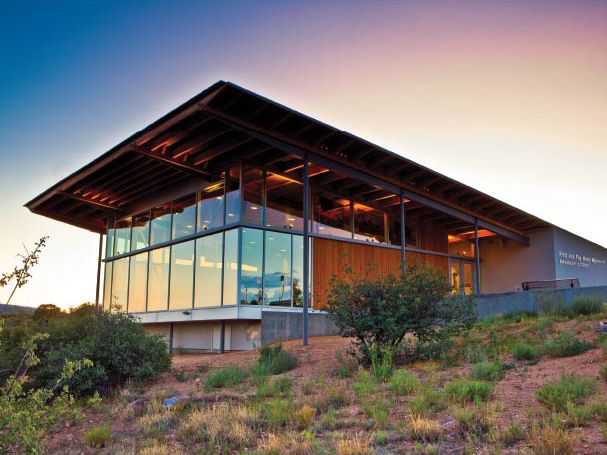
(551, 303)
(525, 351)
(282, 385)
(427, 402)
(97, 437)
(566, 345)
(603, 372)
(382, 362)
(377, 410)
(119, 348)
(468, 390)
(512, 434)
(583, 306)
(569, 389)
(487, 371)
(403, 382)
(278, 412)
(227, 377)
(273, 360)
(379, 310)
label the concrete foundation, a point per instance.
(282, 326)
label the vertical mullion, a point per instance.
(292, 289)
(263, 268)
(170, 257)
(223, 265)
(477, 258)
(240, 242)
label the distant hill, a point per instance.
(13, 309)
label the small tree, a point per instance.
(379, 312)
(21, 274)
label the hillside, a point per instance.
(14, 309)
(327, 405)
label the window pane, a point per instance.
(368, 223)
(140, 236)
(161, 224)
(233, 196)
(331, 216)
(123, 236)
(158, 279)
(208, 270)
(138, 282)
(182, 275)
(230, 270)
(120, 283)
(253, 195)
(184, 216)
(210, 206)
(251, 267)
(109, 241)
(107, 286)
(298, 251)
(284, 202)
(277, 271)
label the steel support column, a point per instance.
(402, 234)
(477, 257)
(98, 273)
(306, 251)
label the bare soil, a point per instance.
(324, 355)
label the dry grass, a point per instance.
(356, 445)
(305, 416)
(286, 444)
(159, 449)
(224, 425)
(550, 440)
(424, 430)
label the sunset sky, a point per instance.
(508, 97)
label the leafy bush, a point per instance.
(273, 360)
(566, 345)
(468, 390)
(119, 348)
(378, 312)
(583, 306)
(525, 351)
(487, 371)
(97, 437)
(227, 377)
(569, 389)
(403, 382)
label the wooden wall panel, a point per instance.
(331, 256)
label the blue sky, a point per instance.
(508, 97)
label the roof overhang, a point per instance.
(225, 123)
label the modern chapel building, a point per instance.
(228, 214)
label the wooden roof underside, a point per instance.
(218, 127)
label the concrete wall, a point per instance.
(505, 264)
(283, 325)
(489, 305)
(240, 335)
(578, 258)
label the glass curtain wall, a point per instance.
(209, 266)
(182, 276)
(120, 285)
(158, 279)
(138, 283)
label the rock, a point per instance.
(172, 401)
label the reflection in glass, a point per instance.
(109, 240)
(158, 279)
(251, 267)
(332, 216)
(210, 205)
(298, 251)
(120, 285)
(184, 216)
(277, 270)
(140, 234)
(122, 236)
(208, 270)
(284, 202)
(161, 224)
(368, 223)
(107, 286)
(253, 195)
(230, 270)
(138, 282)
(182, 275)
(233, 196)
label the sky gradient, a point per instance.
(508, 97)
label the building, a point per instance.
(205, 241)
